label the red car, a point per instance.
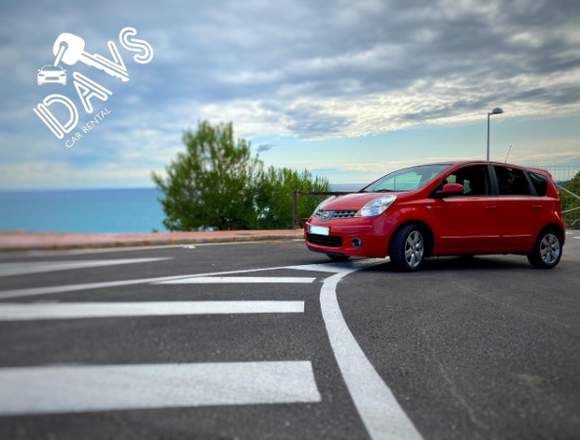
(461, 208)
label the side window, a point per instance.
(511, 181)
(474, 179)
(540, 183)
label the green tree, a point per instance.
(212, 183)
(217, 183)
(568, 201)
(274, 195)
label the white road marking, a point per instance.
(339, 267)
(101, 250)
(240, 280)
(46, 390)
(76, 389)
(43, 311)
(577, 238)
(323, 267)
(374, 401)
(17, 293)
(28, 267)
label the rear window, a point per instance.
(540, 183)
(512, 181)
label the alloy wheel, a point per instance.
(414, 249)
(550, 249)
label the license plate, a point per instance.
(320, 230)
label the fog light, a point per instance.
(356, 242)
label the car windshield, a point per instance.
(407, 179)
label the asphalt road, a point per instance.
(160, 343)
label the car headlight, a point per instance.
(376, 206)
(321, 204)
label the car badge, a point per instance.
(326, 215)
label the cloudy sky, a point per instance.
(348, 90)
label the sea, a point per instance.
(89, 210)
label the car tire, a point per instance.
(407, 249)
(337, 257)
(547, 249)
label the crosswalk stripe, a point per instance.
(23, 268)
(44, 311)
(33, 291)
(71, 389)
(239, 280)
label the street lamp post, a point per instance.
(495, 111)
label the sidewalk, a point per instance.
(12, 241)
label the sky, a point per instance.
(346, 89)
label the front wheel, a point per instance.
(547, 250)
(407, 250)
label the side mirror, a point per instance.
(450, 189)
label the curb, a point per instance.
(147, 242)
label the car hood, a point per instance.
(354, 201)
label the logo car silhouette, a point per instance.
(50, 74)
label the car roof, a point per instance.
(482, 162)
(456, 163)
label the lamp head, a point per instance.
(496, 111)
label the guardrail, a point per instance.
(576, 196)
(561, 173)
(568, 208)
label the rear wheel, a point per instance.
(407, 251)
(338, 257)
(547, 250)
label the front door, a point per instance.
(467, 222)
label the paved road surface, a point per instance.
(267, 340)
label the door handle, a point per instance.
(537, 206)
(491, 207)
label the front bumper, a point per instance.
(353, 237)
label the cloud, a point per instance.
(264, 147)
(314, 72)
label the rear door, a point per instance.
(466, 222)
(517, 208)
(543, 205)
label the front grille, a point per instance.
(332, 215)
(324, 240)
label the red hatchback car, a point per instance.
(462, 208)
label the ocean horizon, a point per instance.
(104, 210)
